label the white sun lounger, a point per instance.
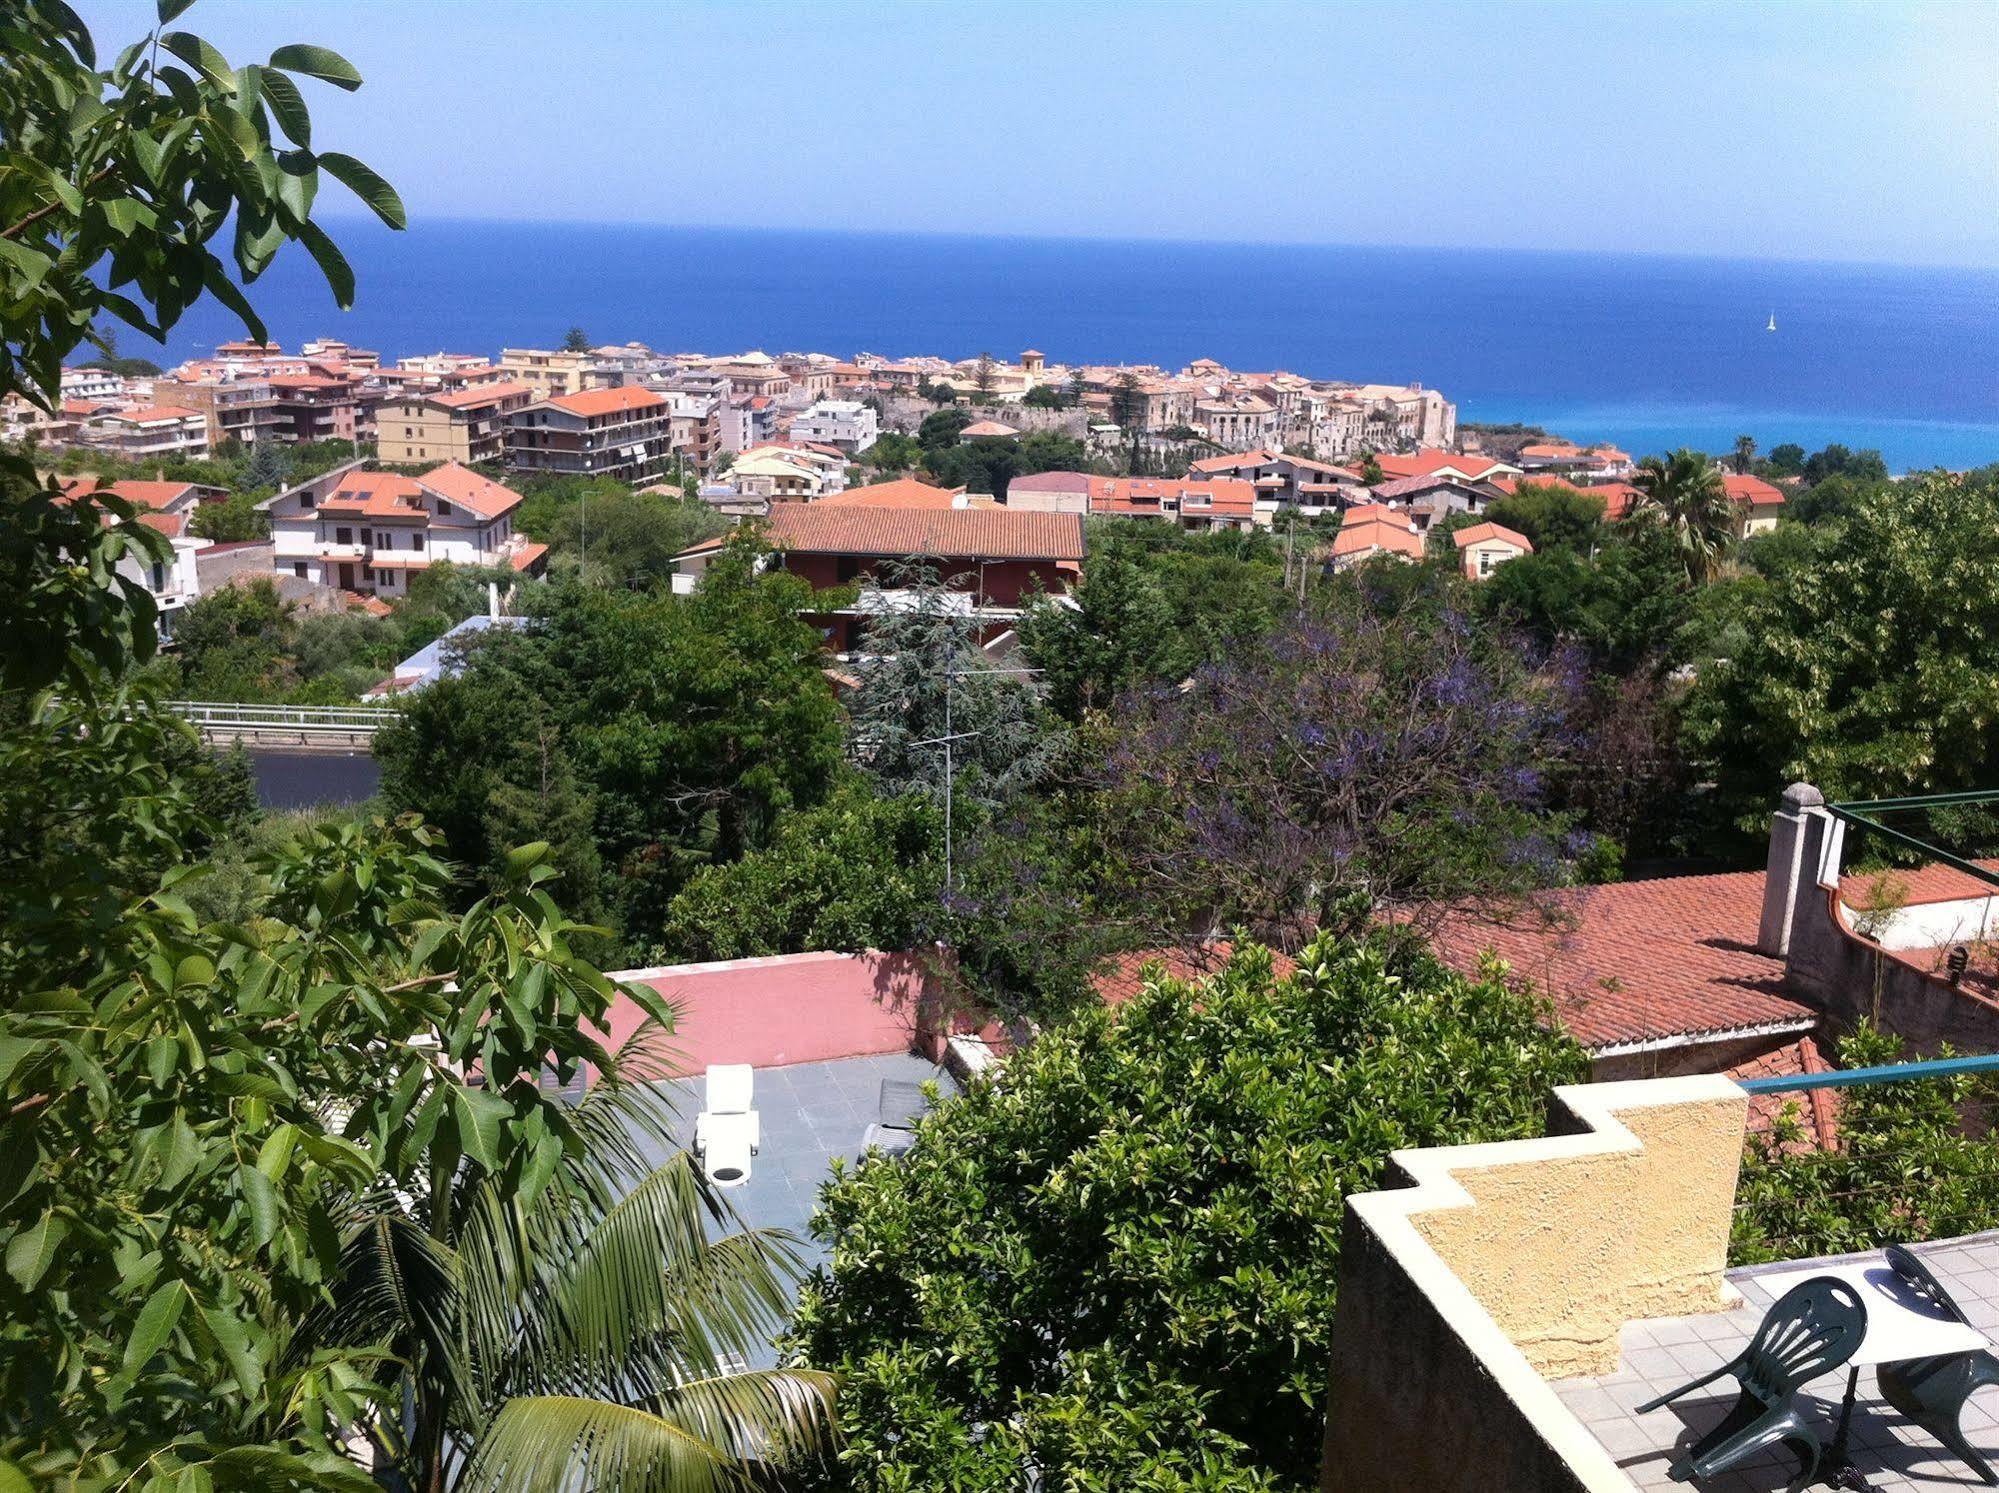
(728, 1132)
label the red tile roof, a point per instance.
(607, 401)
(826, 528)
(375, 495)
(1122, 976)
(1479, 533)
(1428, 463)
(467, 488)
(527, 556)
(1752, 490)
(1642, 961)
(1931, 883)
(1370, 527)
(477, 396)
(1816, 1110)
(158, 496)
(904, 492)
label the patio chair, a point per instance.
(1816, 1325)
(728, 1132)
(1932, 1391)
(900, 1105)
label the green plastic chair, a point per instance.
(1816, 1325)
(1932, 1391)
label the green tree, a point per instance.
(235, 644)
(1796, 1203)
(633, 537)
(233, 520)
(929, 695)
(856, 872)
(1685, 493)
(1552, 515)
(892, 452)
(1046, 397)
(268, 465)
(982, 378)
(1120, 1267)
(1837, 461)
(576, 340)
(1114, 631)
(940, 430)
(1787, 459)
(1744, 455)
(1625, 606)
(1867, 671)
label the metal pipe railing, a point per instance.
(1846, 1078)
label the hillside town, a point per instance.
(750, 434)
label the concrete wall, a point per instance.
(1504, 1265)
(1827, 963)
(792, 1008)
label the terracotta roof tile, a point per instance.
(462, 485)
(969, 533)
(1642, 961)
(608, 401)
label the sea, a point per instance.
(1650, 351)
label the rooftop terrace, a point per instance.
(1662, 1353)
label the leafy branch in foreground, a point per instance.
(115, 183)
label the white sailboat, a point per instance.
(1773, 323)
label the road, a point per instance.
(299, 779)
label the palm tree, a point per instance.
(575, 1330)
(1745, 453)
(1685, 492)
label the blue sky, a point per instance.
(1779, 128)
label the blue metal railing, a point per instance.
(1887, 1073)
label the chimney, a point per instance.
(1787, 869)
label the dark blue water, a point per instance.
(1648, 351)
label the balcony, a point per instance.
(1502, 1318)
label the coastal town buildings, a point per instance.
(549, 374)
(369, 531)
(1298, 482)
(789, 471)
(625, 433)
(462, 425)
(845, 423)
(146, 432)
(1371, 530)
(1758, 504)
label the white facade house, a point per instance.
(371, 531)
(789, 471)
(92, 383)
(846, 423)
(166, 508)
(154, 430)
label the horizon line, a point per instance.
(1552, 251)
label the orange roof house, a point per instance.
(1369, 530)
(1482, 548)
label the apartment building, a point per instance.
(789, 471)
(370, 531)
(92, 383)
(1282, 480)
(150, 431)
(845, 423)
(624, 433)
(460, 425)
(549, 374)
(235, 409)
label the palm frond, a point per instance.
(560, 1444)
(767, 1415)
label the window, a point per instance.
(367, 536)
(298, 569)
(847, 568)
(159, 576)
(416, 541)
(308, 500)
(368, 573)
(343, 535)
(443, 509)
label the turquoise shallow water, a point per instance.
(1649, 351)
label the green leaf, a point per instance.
(288, 106)
(32, 1251)
(156, 1319)
(262, 1200)
(234, 1341)
(170, 9)
(276, 1153)
(318, 62)
(361, 179)
(224, 290)
(479, 1115)
(199, 55)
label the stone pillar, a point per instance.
(1789, 866)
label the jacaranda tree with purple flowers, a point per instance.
(1350, 761)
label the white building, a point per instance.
(151, 431)
(165, 508)
(92, 383)
(846, 423)
(371, 531)
(789, 471)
